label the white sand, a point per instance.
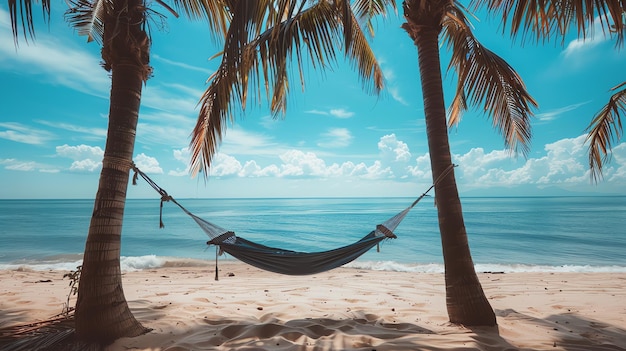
(344, 309)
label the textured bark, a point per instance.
(102, 314)
(465, 299)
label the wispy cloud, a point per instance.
(20, 133)
(182, 65)
(99, 133)
(341, 113)
(335, 112)
(556, 113)
(27, 166)
(335, 137)
(62, 64)
(390, 80)
(317, 112)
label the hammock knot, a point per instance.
(388, 233)
(228, 238)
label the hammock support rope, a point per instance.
(286, 261)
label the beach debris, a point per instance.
(74, 277)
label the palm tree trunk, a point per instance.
(102, 314)
(465, 299)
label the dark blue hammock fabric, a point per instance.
(297, 263)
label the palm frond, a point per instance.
(485, 78)
(88, 17)
(25, 17)
(604, 130)
(364, 60)
(366, 10)
(259, 56)
(228, 86)
(215, 12)
(548, 19)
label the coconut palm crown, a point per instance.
(260, 56)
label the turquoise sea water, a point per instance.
(505, 234)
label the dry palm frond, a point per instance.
(554, 18)
(88, 17)
(604, 130)
(53, 334)
(366, 10)
(25, 17)
(215, 12)
(484, 77)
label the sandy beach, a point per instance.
(344, 309)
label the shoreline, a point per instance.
(67, 262)
(344, 309)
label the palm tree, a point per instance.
(482, 74)
(553, 19)
(120, 26)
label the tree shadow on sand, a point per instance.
(569, 331)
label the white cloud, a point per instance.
(476, 161)
(393, 149)
(594, 36)
(297, 163)
(86, 158)
(86, 165)
(80, 152)
(335, 138)
(341, 113)
(148, 164)
(224, 165)
(563, 165)
(616, 171)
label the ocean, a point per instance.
(507, 234)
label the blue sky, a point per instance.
(335, 140)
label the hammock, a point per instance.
(286, 261)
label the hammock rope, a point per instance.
(280, 260)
